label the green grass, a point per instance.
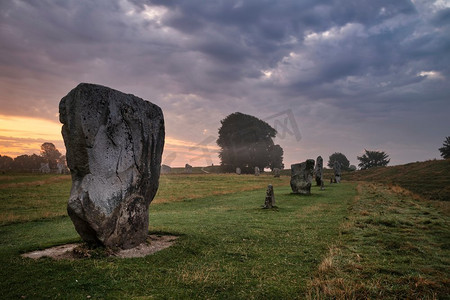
(430, 179)
(228, 248)
(32, 197)
(392, 246)
(349, 241)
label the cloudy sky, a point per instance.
(331, 76)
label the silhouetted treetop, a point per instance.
(339, 157)
(246, 142)
(445, 149)
(372, 159)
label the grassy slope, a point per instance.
(430, 179)
(393, 245)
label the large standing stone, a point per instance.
(270, 197)
(301, 177)
(238, 171)
(114, 144)
(276, 172)
(318, 171)
(337, 171)
(188, 168)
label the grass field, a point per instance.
(353, 240)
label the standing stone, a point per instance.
(257, 171)
(62, 169)
(114, 144)
(45, 168)
(318, 171)
(337, 172)
(276, 172)
(301, 177)
(238, 171)
(165, 169)
(188, 168)
(270, 197)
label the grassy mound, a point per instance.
(430, 179)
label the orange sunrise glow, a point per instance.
(22, 135)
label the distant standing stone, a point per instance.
(270, 197)
(62, 169)
(318, 171)
(238, 171)
(337, 171)
(301, 177)
(276, 172)
(45, 168)
(114, 144)
(257, 171)
(188, 168)
(165, 169)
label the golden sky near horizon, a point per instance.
(23, 135)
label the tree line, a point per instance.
(49, 154)
(246, 142)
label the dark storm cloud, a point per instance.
(200, 60)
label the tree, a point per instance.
(445, 149)
(247, 142)
(28, 162)
(276, 157)
(339, 157)
(50, 153)
(372, 159)
(6, 162)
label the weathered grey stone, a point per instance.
(165, 169)
(270, 197)
(114, 143)
(45, 168)
(188, 168)
(62, 168)
(238, 171)
(337, 171)
(301, 177)
(257, 171)
(318, 171)
(276, 172)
